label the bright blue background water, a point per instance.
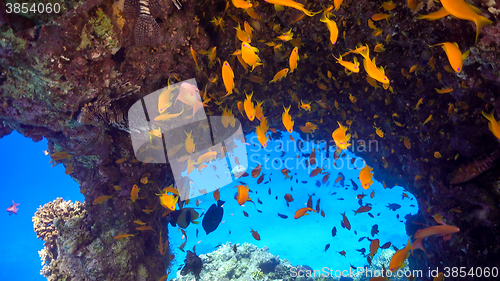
(302, 241)
(27, 178)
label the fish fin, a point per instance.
(147, 31)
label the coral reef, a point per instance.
(59, 70)
(242, 262)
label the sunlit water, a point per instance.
(302, 241)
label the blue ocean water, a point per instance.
(302, 241)
(27, 178)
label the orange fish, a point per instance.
(101, 199)
(302, 212)
(399, 257)
(315, 172)
(217, 195)
(255, 235)
(121, 236)
(362, 209)
(374, 245)
(242, 196)
(340, 138)
(287, 119)
(134, 193)
(365, 176)
(249, 107)
(256, 171)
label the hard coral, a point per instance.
(43, 220)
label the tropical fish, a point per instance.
(340, 138)
(287, 119)
(455, 57)
(371, 68)
(365, 176)
(261, 136)
(374, 245)
(168, 201)
(302, 212)
(242, 4)
(494, 126)
(332, 27)
(351, 66)
(184, 217)
(294, 57)
(121, 236)
(462, 10)
(189, 143)
(242, 194)
(293, 4)
(435, 15)
(393, 206)
(190, 95)
(228, 77)
(101, 199)
(134, 193)
(346, 222)
(13, 208)
(279, 75)
(255, 235)
(249, 56)
(249, 107)
(213, 217)
(399, 257)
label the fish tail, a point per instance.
(147, 31)
(489, 116)
(480, 22)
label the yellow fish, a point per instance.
(305, 106)
(263, 124)
(435, 16)
(164, 99)
(261, 136)
(249, 107)
(462, 10)
(242, 35)
(340, 138)
(337, 4)
(242, 4)
(493, 125)
(287, 36)
(258, 110)
(332, 27)
(351, 66)
(287, 119)
(190, 95)
(399, 257)
(228, 77)
(167, 116)
(278, 76)
(189, 143)
(292, 4)
(206, 157)
(294, 57)
(168, 201)
(371, 69)
(365, 176)
(248, 29)
(455, 57)
(101, 199)
(249, 56)
(193, 53)
(134, 193)
(379, 131)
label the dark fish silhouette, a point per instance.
(386, 245)
(374, 230)
(318, 183)
(213, 217)
(327, 247)
(334, 231)
(393, 206)
(282, 216)
(354, 185)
